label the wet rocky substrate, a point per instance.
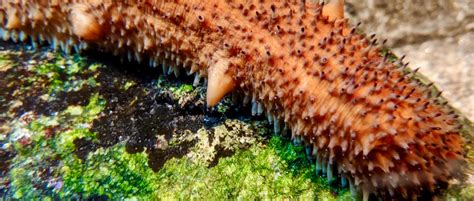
(63, 118)
(138, 114)
(59, 112)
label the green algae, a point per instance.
(109, 172)
(46, 163)
(264, 170)
(41, 143)
(224, 105)
(275, 170)
(43, 152)
(88, 113)
(259, 172)
(182, 90)
(63, 73)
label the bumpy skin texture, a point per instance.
(364, 118)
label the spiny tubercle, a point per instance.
(361, 115)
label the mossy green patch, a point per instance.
(64, 74)
(261, 172)
(87, 113)
(273, 170)
(255, 173)
(181, 90)
(35, 170)
(110, 172)
(224, 105)
(182, 93)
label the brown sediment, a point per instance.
(365, 118)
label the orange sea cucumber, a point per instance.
(366, 121)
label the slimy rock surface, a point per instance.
(97, 129)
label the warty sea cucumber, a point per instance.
(365, 120)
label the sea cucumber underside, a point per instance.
(365, 120)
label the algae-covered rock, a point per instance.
(77, 128)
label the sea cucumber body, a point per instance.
(361, 115)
